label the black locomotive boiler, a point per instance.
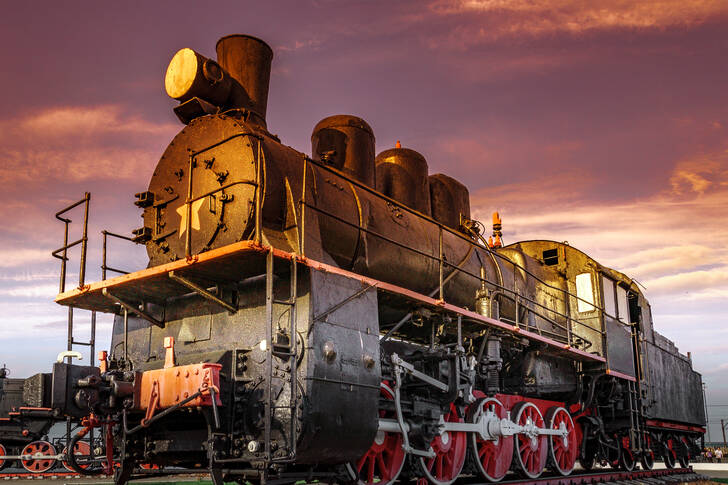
(342, 317)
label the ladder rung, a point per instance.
(284, 302)
(87, 344)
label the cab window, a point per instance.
(584, 292)
(610, 304)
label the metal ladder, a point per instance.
(62, 254)
(638, 438)
(276, 349)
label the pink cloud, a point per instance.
(543, 17)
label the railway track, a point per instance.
(635, 477)
(47, 475)
(610, 477)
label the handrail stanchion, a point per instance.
(258, 188)
(105, 267)
(64, 257)
(188, 210)
(442, 290)
(103, 256)
(302, 232)
(84, 243)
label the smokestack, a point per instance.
(247, 59)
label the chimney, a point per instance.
(247, 59)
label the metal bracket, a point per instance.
(202, 292)
(404, 428)
(131, 308)
(410, 369)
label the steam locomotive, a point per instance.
(342, 317)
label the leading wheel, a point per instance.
(383, 462)
(648, 455)
(563, 450)
(492, 458)
(38, 450)
(669, 453)
(450, 449)
(82, 453)
(531, 450)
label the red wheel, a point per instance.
(492, 458)
(384, 460)
(450, 449)
(648, 455)
(683, 449)
(563, 450)
(82, 452)
(626, 456)
(670, 451)
(531, 450)
(39, 449)
(149, 466)
(3, 452)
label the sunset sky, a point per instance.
(601, 123)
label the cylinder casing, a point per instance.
(345, 142)
(402, 175)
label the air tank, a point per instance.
(449, 200)
(402, 175)
(247, 59)
(346, 143)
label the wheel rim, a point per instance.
(626, 457)
(562, 450)
(670, 454)
(450, 450)
(82, 452)
(383, 462)
(648, 457)
(613, 455)
(38, 465)
(530, 453)
(491, 458)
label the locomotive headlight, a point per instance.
(191, 75)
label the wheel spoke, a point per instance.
(383, 470)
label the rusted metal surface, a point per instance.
(347, 143)
(402, 175)
(164, 388)
(248, 60)
(449, 200)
